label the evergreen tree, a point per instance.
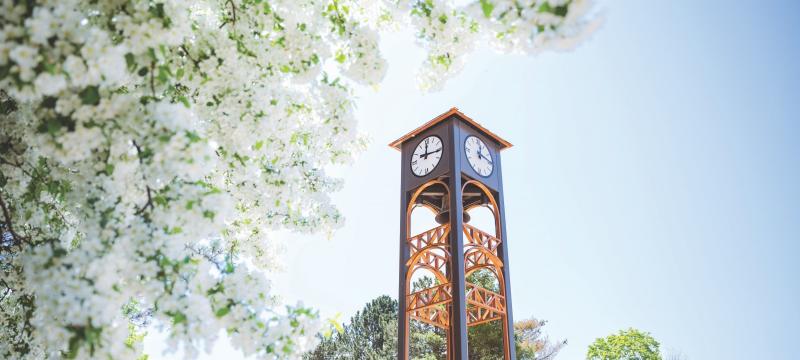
(371, 334)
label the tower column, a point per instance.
(403, 318)
(503, 255)
(458, 313)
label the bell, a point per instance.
(443, 217)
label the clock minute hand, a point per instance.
(483, 157)
(432, 152)
(480, 156)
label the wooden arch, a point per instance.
(428, 250)
(494, 208)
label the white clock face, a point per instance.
(479, 156)
(426, 156)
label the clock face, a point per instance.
(426, 156)
(479, 156)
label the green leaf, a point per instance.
(177, 317)
(130, 61)
(152, 53)
(183, 100)
(90, 95)
(163, 74)
(545, 8)
(337, 323)
(193, 137)
(223, 311)
(487, 7)
(340, 57)
(175, 230)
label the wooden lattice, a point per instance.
(430, 305)
(483, 305)
(430, 250)
(437, 236)
(475, 258)
(436, 316)
(432, 296)
(475, 237)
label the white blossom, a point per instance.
(26, 57)
(49, 84)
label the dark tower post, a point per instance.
(451, 165)
(458, 315)
(402, 321)
(509, 336)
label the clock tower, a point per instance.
(450, 167)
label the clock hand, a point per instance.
(432, 152)
(488, 158)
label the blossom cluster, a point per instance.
(448, 32)
(149, 148)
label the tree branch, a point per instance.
(188, 55)
(152, 78)
(9, 225)
(233, 15)
(149, 203)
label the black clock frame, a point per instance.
(411, 167)
(491, 155)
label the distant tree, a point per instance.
(630, 344)
(531, 344)
(372, 334)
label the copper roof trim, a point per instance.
(453, 111)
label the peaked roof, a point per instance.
(453, 111)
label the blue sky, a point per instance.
(654, 182)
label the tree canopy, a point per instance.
(631, 344)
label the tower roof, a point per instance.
(453, 111)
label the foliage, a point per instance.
(372, 334)
(531, 344)
(630, 344)
(148, 148)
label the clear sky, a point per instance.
(654, 182)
